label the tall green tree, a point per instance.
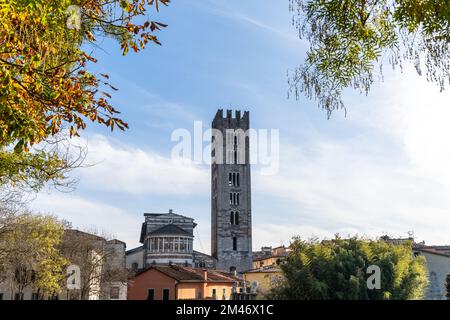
(30, 254)
(337, 270)
(46, 86)
(350, 39)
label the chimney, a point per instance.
(205, 275)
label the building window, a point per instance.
(134, 266)
(237, 179)
(166, 294)
(234, 198)
(114, 293)
(230, 179)
(150, 294)
(214, 294)
(234, 244)
(224, 294)
(234, 217)
(1, 296)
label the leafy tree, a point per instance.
(337, 270)
(29, 171)
(348, 39)
(45, 83)
(29, 253)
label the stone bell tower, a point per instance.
(231, 223)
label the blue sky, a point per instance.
(382, 169)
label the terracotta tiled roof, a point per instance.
(193, 274)
(264, 270)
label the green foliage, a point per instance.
(337, 269)
(348, 39)
(29, 171)
(30, 254)
(45, 84)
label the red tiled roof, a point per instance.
(193, 274)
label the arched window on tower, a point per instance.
(232, 217)
(230, 179)
(237, 179)
(237, 198)
(236, 218)
(234, 244)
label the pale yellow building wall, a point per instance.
(219, 290)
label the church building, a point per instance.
(167, 238)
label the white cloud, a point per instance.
(124, 169)
(91, 216)
(391, 175)
(388, 174)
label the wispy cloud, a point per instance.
(91, 215)
(391, 179)
(123, 169)
(228, 12)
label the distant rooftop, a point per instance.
(188, 274)
(165, 213)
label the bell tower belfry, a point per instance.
(231, 223)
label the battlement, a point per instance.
(230, 120)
